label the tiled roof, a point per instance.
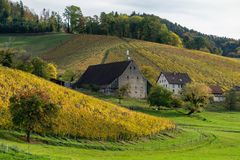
(103, 74)
(216, 90)
(177, 78)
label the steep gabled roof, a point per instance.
(103, 74)
(177, 78)
(216, 89)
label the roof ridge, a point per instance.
(111, 63)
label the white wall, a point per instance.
(175, 88)
(218, 98)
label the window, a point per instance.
(130, 68)
(137, 78)
(127, 77)
(134, 68)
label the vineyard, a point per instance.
(80, 115)
(77, 52)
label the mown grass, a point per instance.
(34, 44)
(217, 137)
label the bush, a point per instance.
(159, 96)
(233, 100)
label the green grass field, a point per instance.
(34, 44)
(209, 135)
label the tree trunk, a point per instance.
(119, 100)
(191, 112)
(28, 136)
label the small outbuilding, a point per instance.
(218, 94)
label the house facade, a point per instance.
(217, 93)
(173, 81)
(112, 76)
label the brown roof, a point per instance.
(216, 90)
(177, 78)
(102, 74)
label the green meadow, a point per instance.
(208, 135)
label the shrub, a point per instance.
(233, 100)
(159, 96)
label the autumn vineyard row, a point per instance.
(80, 115)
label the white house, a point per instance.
(218, 94)
(173, 81)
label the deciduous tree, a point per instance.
(32, 110)
(196, 96)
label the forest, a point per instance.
(15, 17)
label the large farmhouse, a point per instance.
(173, 81)
(112, 76)
(218, 94)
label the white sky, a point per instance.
(217, 17)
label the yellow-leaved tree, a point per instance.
(52, 70)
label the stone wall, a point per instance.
(135, 80)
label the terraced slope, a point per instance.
(81, 115)
(201, 66)
(77, 52)
(82, 51)
(85, 50)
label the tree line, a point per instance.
(209, 43)
(17, 18)
(136, 26)
(12, 58)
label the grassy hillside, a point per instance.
(34, 44)
(81, 115)
(77, 52)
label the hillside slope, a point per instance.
(34, 44)
(85, 50)
(80, 115)
(77, 52)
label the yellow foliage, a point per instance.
(52, 70)
(81, 115)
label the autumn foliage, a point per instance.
(80, 115)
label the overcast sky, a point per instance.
(217, 17)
